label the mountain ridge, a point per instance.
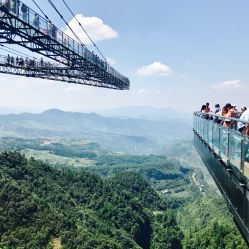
(118, 134)
(144, 111)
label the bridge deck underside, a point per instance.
(56, 74)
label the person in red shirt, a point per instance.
(230, 114)
(207, 107)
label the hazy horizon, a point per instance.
(19, 110)
(185, 54)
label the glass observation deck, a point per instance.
(225, 153)
(229, 145)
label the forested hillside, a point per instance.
(206, 223)
(78, 195)
(41, 206)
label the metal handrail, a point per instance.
(228, 143)
(221, 117)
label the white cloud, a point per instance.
(94, 26)
(142, 91)
(229, 84)
(156, 68)
(111, 61)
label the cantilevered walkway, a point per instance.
(22, 26)
(225, 152)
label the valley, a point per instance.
(72, 191)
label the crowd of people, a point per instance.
(22, 10)
(15, 6)
(27, 62)
(226, 116)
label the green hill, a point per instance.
(41, 206)
(92, 198)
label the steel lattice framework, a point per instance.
(80, 66)
(53, 73)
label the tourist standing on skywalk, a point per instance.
(241, 126)
(36, 21)
(24, 10)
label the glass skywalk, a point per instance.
(230, 145)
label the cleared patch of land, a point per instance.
(58, 160)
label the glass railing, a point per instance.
(27, 15)
(229, 144)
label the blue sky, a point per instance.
(201, 50)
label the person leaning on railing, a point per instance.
(243, 109)
(217, 111)
(204, 112)
(231, 113)
(36, 21)
(207, 107)
(13, 5)
(24, 10)
(242, 127)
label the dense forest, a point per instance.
(41, 206)
(206, 223)
(111, 201)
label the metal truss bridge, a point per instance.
(22, 26)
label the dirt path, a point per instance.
(57, 244)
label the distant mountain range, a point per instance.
(17, 110)
(118, 134)
(145, 112)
